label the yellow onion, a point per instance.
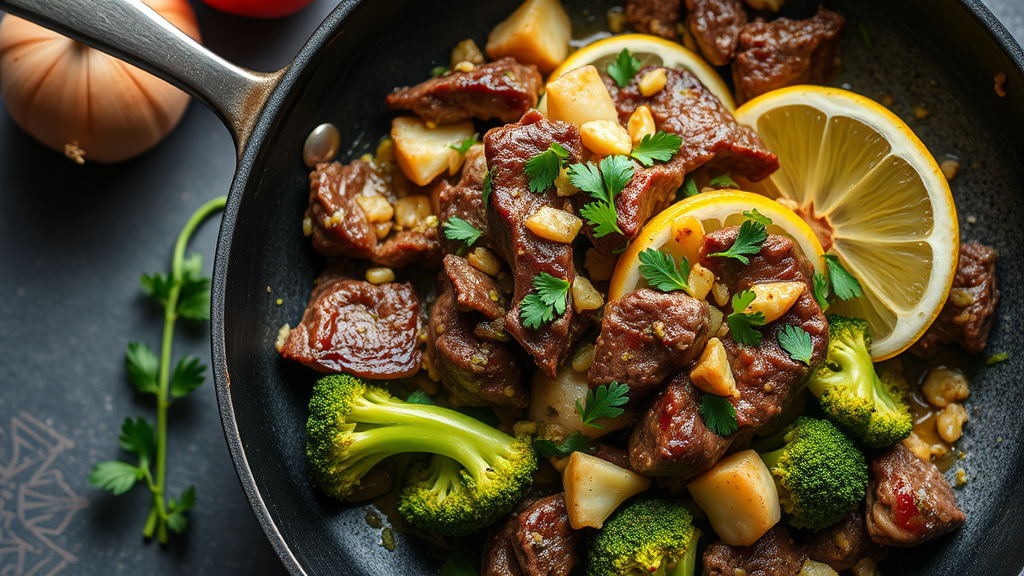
(82, 102)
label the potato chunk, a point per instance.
(812, 568)
(712, 372)
(580, 96)
(553, 402)
(594, 488)
(423, 153)
(774, 299)
(739, 497)
(537, 33)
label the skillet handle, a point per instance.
(133, 32)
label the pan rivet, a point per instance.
(321, 145)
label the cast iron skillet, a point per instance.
(940, 54)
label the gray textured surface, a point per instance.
(1011, 14)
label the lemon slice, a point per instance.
(875, 198)
(714, 210)
(650, 51)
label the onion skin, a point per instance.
(65, 93)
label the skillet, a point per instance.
(939, 54)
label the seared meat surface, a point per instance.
(465, 200)
(356, 327)
(474, 290)
(502, 90)
(658, 17)
(537, 541)
(786, 52)
(909, 501)
(499, 559)
(716, 26)
(508, 149)
(774, 554)
(340, 227)
(967, 316)
(646, 336)
(843, 544)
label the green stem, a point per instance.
(163, 383)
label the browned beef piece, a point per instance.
(544, 543)
(767, 378)
(474, 290)
(465, 200)
(616, 456)
(967, 316)
(909, 501)
(503, 90)
(710, 135)
(843, 544)
(498, 558)
(671, 439)
(508, 149)
(646, 336)
(658, 17)
(774, 554)
(786, 52)
(356, 327)
(716, 26)
(340, 227)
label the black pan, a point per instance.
(940, 54)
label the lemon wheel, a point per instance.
(874, 197)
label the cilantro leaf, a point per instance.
(156, 286)
(660, 146)
(748, 241)
(456, 228)
(138, 437)
(575, 442)
(603, 403)
(688, 190)
(195, 299)
(543, 168)
(188, 375)
(603, 216)
(723, 181)
(661, 271)
(844, 285)
(797, 342)
(603, 183)
(756, 216)
(115, 475)
(821, 291)
(616, 171)
(587, 177)
(464, 146)
(549, 300)
(487, 187)
(624, 68)
(142, 366)
(176, 519)
(718, 414)
(418, 397)
(741, 324)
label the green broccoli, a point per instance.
(649, 536)
(868, 405)
(820, 474)
(477, 475)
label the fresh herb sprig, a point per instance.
(603, 403)
(797, 343)
(549, 300)
(487, 188)
(575, 442)
(821, 291)
(464, 146)
(723, 181)
(751, 235)
(718, 414)
(741, 324)
(662, 273)
(183, 294)
(603, 182)
(661, 146)
(542, 169)
(456, 228)
(624, 68)
(844, 285)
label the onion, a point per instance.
(82, 102)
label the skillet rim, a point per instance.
(221, 375)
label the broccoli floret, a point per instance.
(820, 474)
(477, 476)
(868, 405)
(646, 537)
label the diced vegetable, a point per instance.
(485, 261)
(594, 488)
(653, 82)
(774, 299)
(380, 275)
(688, 233)
(580, 96)
(412, 212)
(700, 281)
(553, 402)
(943, 386)
(376, 208)
(554, 224)
(739, 497)
(424, 153)
(538, 33)
(950, 422)
(605, 138)
(712, 373)
(585, 296)
(641, 123)
(812, 568)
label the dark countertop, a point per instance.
(73, 241)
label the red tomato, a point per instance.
(259, 8)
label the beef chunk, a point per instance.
(843, 544)
(786, 52)
(466, 200)
(774, 554)
(710, 135)
(340, 227)
(544, 542)
(658, 17)
(716, 26)
(671, 439)
(502, 90)
(646, 336)
(967, 316)
(508, 149)
(354, 326)
(611, 454)
(767, 378)
(498, 558)
(909, 501)
(474, 290)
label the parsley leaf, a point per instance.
(718, 414)
(624, 68)
(723, 181)
(574, 442)
(996, 358)
(603, 183)
(543, 168)
(156, 286)
(176, 519)
(688, 190)
(137, 437)
(797, 342)
(464, 146)
(550, 300)
(661, 271)
(741, 324)
(115, 475)
(748, 241)
(456, 228)
(439, 70)
(821, 291)
(142, 365)
(660, 146)
(844, 285)
(188, 375)
(487, 188)
(603, 403)
(758, 217)
(194, 301)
